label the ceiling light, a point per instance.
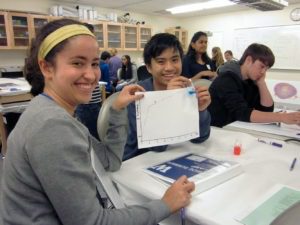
(200, 6)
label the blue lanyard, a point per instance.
(47, 96)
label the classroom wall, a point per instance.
(16, 57)
(222, 26)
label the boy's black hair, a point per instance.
(259, 52)
(105, 55)
(159, 43)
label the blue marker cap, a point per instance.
(191, 90)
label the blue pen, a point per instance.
(182, 216)
(14, 89)
(270, 142)
(293, 164)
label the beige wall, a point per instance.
(222, 25)
(16, 57)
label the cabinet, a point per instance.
(36, 22)
(114, 35)
(17, 30)
(19, 24)
(99, 31)
(4, 32)
(182, 36)
(130, 37)
(145, 33)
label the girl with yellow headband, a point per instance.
(48, 177)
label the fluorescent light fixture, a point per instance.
(200, 6)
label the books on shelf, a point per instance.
(204, 171)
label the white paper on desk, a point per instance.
(271, 128)
(166, 117)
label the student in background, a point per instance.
(114, 64)
(228, 56)
(196, 63)
(104, 67)
(47, 176)
(127, 74)
(162, 56)
(217, 57)
(240, 91)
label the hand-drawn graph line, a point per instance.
(167, 139)
(154, 104)
(149, 110)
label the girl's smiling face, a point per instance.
(76, 72)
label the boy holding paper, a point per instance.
(163, 59)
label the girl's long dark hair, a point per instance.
(126, 72)
(191, 51)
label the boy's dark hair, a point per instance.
(159, 43)
(259, 52)
(32, 70)
(191, 51)
(228, 52)
(105, 55)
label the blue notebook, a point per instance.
(204, 171)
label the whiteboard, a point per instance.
(284, 41)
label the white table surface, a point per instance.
(264, 166)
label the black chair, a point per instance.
(143, 73)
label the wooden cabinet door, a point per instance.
(114, 35)
(130, 37)
(99, 31)
(4, 31)
(19, 24)
(182, 36)
(184, 40)
(145, 34)
(36, 22)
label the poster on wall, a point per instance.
(285, 92)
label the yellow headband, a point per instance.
(60, 35)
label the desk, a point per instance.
(15, 101)
(264, 166)
(271, 130)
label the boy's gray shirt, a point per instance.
(48, 178)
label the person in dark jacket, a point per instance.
(197, 64)
(240, 93)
